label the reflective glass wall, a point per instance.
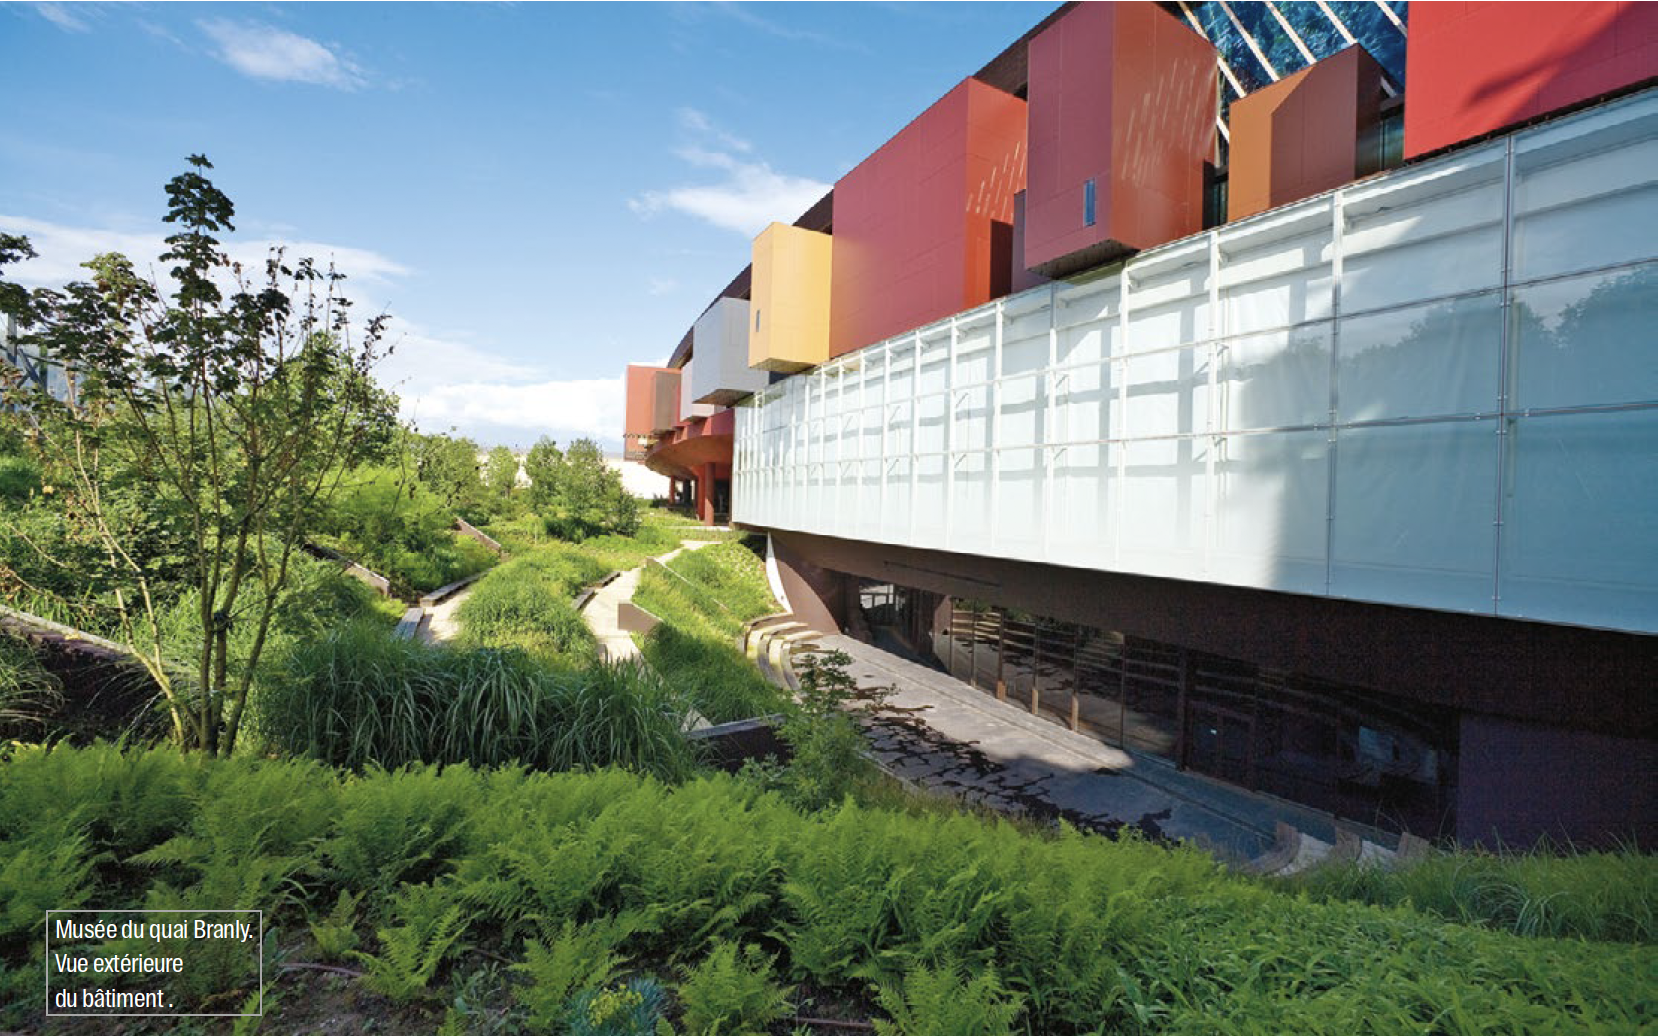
(1437, 387)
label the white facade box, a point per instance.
(689, 409)
(719, 344)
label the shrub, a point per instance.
(631, 1009)
(731, 993)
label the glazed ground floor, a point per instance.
(1440, 724)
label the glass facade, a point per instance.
(1353, 752)
(1436, 388)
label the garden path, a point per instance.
(601, 612)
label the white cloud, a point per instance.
(266, 52)
(62, 17)
(63, 248)
(562, 409)
(750, 194)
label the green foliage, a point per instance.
(962, 925)
(501, 471)
(362, 698)
(573, 958)
(388, 520)
(633, 1008)
(1608, 896)
(19, 479)
(578, 495)
(27, 691)
(827, 756)
(448, 467)
(941, 1003)
(336, 933)
(203, 437)
(432, 922)
(732, 993)
(703, 599)
(526, 603)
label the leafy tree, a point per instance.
(501, 471)
(448, 466)
(233, 402)
(586, 496)
(542, 464)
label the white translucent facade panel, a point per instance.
(1166, 393)
(1421, 361)
(1585, 191)
(1162, 498)
(1271, 497)
(1021, 412)
(1168, 297)
(1086, 321)
(1085, 404)
(1018, 511)
(1414, 516)
(1580, 533)
(1278, 379)
(1025, 326)
(1435, 230)
(927, 520)
(970, 502)
(1587, 340)
(1279, 271)
(1081, 512)
(1311, 401)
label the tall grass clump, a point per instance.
(1605, 896)
(526, 603)
(362, 698)
(703, 598)
(27, 691)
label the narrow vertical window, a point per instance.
(1088, 202)
(756, 318)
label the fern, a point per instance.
(573, 959)
(941, 1003)
(412, 951)
(732, 993)
(336, 934)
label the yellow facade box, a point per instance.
(788, 326)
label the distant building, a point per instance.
(1268, 389)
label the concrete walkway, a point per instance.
(441, 625)
(615, 643)
(963, 741)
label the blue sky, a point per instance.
(538, 194)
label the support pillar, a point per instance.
(705, 494)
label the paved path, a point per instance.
(967, 743)
(441, 624)
(615, 643)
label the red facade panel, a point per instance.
(1122, 95)
(641, 413)
(918, 223)
(1473, 68)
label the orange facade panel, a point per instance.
(924, 226)
(1301, 135)
(641, 416)
(1122, 120)
(788, 321)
